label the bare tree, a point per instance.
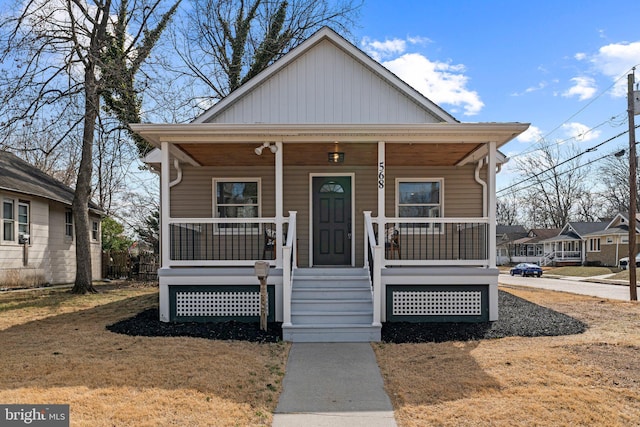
(614, 175)
(65, 56)
(508, 209)
(226, 42)
(552, 188)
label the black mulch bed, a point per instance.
(517, 317)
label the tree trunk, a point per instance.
(83, 283)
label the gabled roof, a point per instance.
(578, 230)
(325, 34)
(536, 235)
(623, 218)
(509, 233)
(18, 176)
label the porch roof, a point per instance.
(471, 136)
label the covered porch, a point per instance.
(429, 259)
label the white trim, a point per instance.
(165, 206)
(382, 186)
(350, 175)
(13, 219)
(279, 202)
(214, 207)
(491, 207)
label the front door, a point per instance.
(332, 220)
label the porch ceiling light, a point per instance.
(336, 157)
(272, 147)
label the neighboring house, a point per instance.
(506, 235)
(569, 247)
(606, 247)
(531, 247)
(37, 237)
(369, 201)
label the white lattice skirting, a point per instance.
(191, 304)
(437, 303)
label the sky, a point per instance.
(560, 65)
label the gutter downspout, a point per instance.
(484, 186)
(178, 180)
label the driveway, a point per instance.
(568, 284)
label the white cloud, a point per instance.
(583, 88)
(381, 50)
(580, 56)
(615, 60)
(580, 132)
(441, 82)
(531, 135)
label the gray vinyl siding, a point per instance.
(307, 91)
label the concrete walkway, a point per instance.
(333, 385)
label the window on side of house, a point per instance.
(24, 226)
(594, 244)
(68, 224)
(236, 198)
(420, 198)
(95, 231)
(609, 240)
(8, 220)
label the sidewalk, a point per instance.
(333, 385)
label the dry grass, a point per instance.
(581, 271)
(581, 380)
(55, 349)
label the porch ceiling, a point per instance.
(408, 154)
(435, 144)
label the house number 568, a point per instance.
(381, 175)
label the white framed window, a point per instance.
(24, 221)
(625, 239)
(68, 224)
(594, 244)
(236, 198)
(609, 240)
(420, 198)
(8, 220)
(95, 231)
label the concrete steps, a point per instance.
(331, 305)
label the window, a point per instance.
(95, 230)
(609, 240)
(23, 221)
(8, 220)
(239, 198)
(594, 245)
(68, 223)
(420, 198)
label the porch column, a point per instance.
(165, 205)
(279, 182)
(491, 206)
(381, 191)
(165, 243)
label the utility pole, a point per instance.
(633, 291)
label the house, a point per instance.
(530, 247)
(37, 237)
(370, 202)
(606, 247)
(506, 235)
(569, 247)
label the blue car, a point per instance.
(526, 269)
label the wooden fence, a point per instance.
(123, 265)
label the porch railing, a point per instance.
(289, 264)
(374, 261)
(223, 241)
(436, 241)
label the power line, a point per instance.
(536, 175)
(542, 138)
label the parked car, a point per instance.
(526, 269)
(623, 263)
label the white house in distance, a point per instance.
(37, 237)
(371, 203)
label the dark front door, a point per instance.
(332, 220)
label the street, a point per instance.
(572, 285)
